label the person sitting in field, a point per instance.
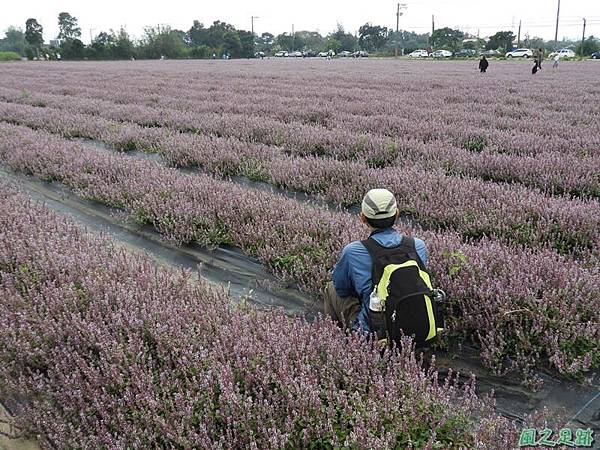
(483, 64)
(351, 297)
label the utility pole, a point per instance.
(556, 31)
(583, 37)
(432, 30)
(397, 25)
(92, 38)
(293, 35)
(252, 28)
(398, 14)
(252, 24)
(519, 35)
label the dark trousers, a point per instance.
(344, 311)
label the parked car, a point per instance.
(295, 54)
(345, 54)
(281, 54)
(441, 54)
(466, 53)
(259, 55)
(330, 53)
(491, 53)
(595, 55)
(563, 53)
(419, 54)
(309, 53)
(520, 53)
(360, 54)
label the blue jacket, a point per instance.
(352, 273)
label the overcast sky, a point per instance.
(538, 16)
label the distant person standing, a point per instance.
(556, 61)
(483, 64)
(539, 57)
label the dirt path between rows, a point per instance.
(8, 443)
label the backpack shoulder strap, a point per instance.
(408, 245)
(373, 247)
(376, 250)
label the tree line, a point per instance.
(222, 38)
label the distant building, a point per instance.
(56, 42)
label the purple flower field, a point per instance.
(91, 338)
(500, 174)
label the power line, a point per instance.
(507, 27)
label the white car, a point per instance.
(281, 54)
(520, 53)
(563, 53)
(330, 53)
(419, 54)
(441, 54)
(296, 54)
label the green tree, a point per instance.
(501, 40)
(181, 36)
(372, 37)
(102, 45)
(308, 40)
(162, 41)
(67, 26)
(123, 47)
(347, 41)
(246, 44)
(14, 41)
(265, 43)
(536, 42)
(333, 44)
(474, 44)
(411, 41)
(590, 45)
(197, 34)
(199, 51)
(216, 34)
(286, 41)
(34, 35)
(72, 49)
(232, 44)
(447, 38)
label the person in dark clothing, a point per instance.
(539, 57)
(483, 64)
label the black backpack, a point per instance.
(408, 301)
